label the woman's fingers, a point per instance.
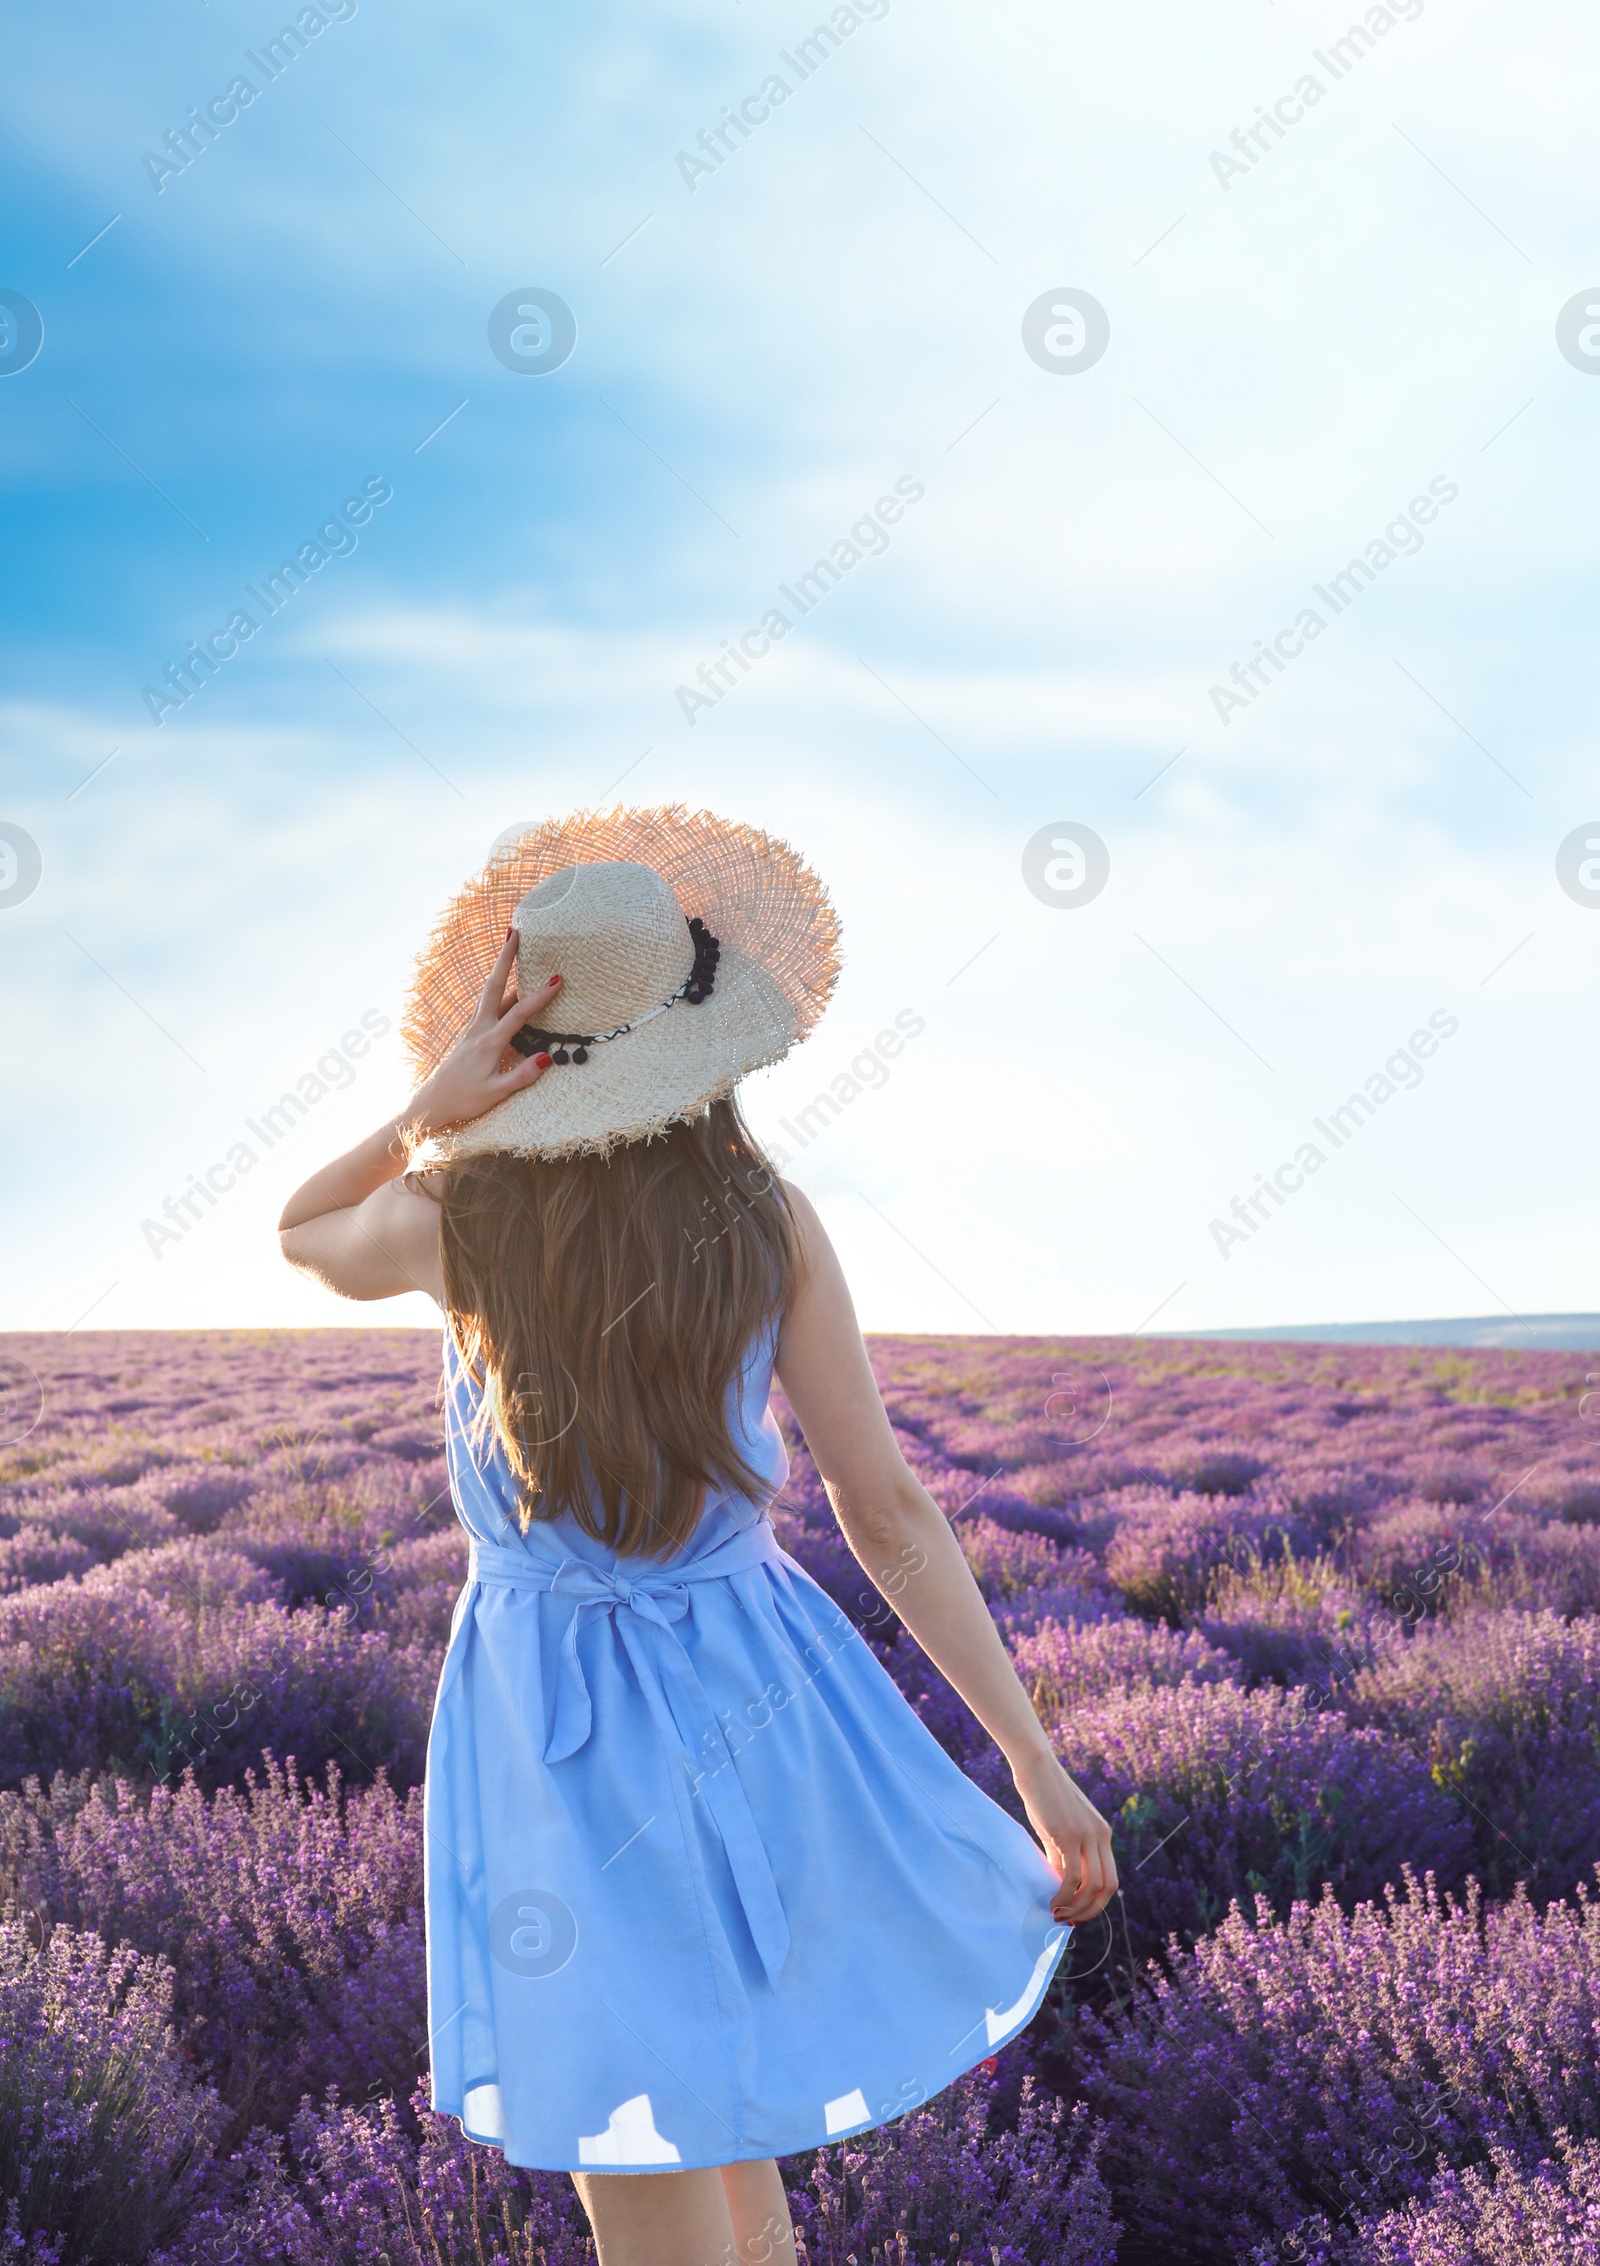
(1088, 1883)
(1076, 1839)
(1071, 1902)
(1104, 1874)
(494, 989)
(523, 1011)
(1070, 1886)
(526, 1073)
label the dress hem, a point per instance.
(800, 2147)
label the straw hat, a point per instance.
(693, 949)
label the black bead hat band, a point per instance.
(573, 1046)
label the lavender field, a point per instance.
(1318, 1628)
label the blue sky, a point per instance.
(1298, 347)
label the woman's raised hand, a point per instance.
(469, 1079)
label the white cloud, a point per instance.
(1299, 354)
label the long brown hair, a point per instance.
(606, 1304)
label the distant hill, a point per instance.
(1527, 1333)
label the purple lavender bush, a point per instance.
(105, 1520)
(368, 2186)
(1007, 1561)
(1308, 1621)
(1503, 2214)
(1290, 2079)
(1219, 1793)
(104, 2136)
(951, 2181)
(413, 1604)
(332, 1538)
(1067, 1667)
(1288, 1619)
(1166, 1549)
(291, 1914)
(38, 1553)
(1506, 1706)
(1421, 1557)
(102, 1672)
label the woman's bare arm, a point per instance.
(907, 1550)
(357, 1229)
(355, 1226)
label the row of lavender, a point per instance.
(1296, 1617)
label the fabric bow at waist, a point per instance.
(644, 1601)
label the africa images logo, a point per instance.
(21, 333)
(21, 866)
(1402, 1070)
(336, 538)
(868, 538)
(1402, 538)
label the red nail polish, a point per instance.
(554, 980)
(510, 933)
(544, 1060)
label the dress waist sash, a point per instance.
(643, 1598)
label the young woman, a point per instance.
(701, 1889)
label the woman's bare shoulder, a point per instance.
(813, 1235)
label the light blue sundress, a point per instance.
(700, 1886)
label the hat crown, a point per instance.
(604, 898)
(615, 933)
